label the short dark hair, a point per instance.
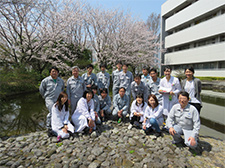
(125, 64)
(189, 68)
(87, 91)
(102, 65)
(153, 69)
(104, 90)
(122, 88)
(118, 62)
(145, 67)
(90, 65)
(155, 98)
(55, 68)
(183, 93)
(95, 87)
(167, 67)
(137, 76)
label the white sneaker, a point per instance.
(130, 126)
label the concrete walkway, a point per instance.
(211, 93)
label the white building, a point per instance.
(193, 33)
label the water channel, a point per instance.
(27, 113)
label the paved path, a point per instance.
(213, 94)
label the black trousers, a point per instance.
(134, 118)
(198, 106)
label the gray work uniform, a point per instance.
(146, 79)
(125, 80)
(90, 80)
(50, 90)
(103, 80)
(153, 88)
(97, 108)
(120, 103)
(185, 122)
(116, 84)
(75, 90)
(141, 88)
(105, 104)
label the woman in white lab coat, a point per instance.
(153, 116)
(84, 115)
(60, 117)
(137, 110)
(169, 88)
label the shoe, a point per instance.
(130, 126)
(119, 121)
(179, 141)
(136, 123)
(59, 139)
(103, 119)
(158, 134)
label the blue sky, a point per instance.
(138, 8)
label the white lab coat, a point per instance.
(83, 112)
(139, 109)
(156, 113)
(172, 85)
(59, 119)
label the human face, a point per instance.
(145, 72)
(103, 94)
(183, 100)
(54, 73)
(94, 91)
(89, 96)
(153, 75)
(75, 72)
(139, 100)
(64, 99)
(125, 68)
(103, 69)
(137, 80)
(167, 72)
(152, 102)
(90, 69)
(122, 92)
(119, 66)
(189, 74)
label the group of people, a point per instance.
(155, 101)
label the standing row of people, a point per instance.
(86, 112)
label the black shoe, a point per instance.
(158, 134)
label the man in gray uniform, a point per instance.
(153, 85)
(137, 86)
(50, 89)
(145, 77)
(103, 78)
(184, 119)
(89, 77)
(125, 79)
(115, 78)
(75, 88)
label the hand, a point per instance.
(171, 93)
(64, 130)
(91, 123)
(102, 113)
(120, 114)
(172, 131)
(96, 116)
(144, 127)
(193, 142)
(68, 101)
(88, 86)
(135, 113)
(161, 92)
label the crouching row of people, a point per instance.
(182, 119)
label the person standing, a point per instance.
(145, 77)
(137, 86)
(125, 79)
(103, 78)
(183, 119)
(169, 88)
(193, 86)
(89, 77)
(115, 78)
(75, 88)
(153, 85)
(50, 89)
